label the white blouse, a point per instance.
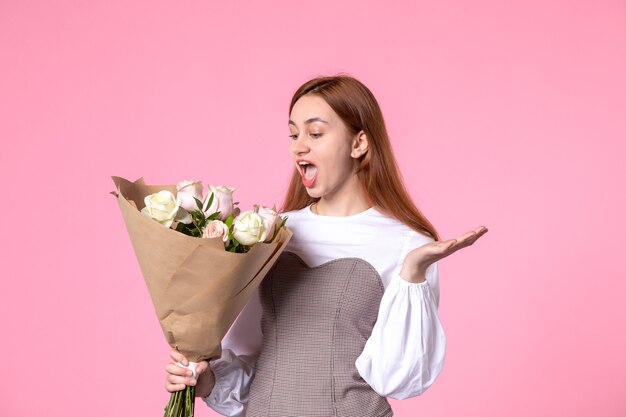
(405, 352)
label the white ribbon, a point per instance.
(192, 366)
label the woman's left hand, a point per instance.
(419, 259)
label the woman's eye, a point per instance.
(313, 135)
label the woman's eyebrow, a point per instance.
(307, 121)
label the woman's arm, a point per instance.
(234, 370)
(405, 352)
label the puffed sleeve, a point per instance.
(405, 352)
(234, 370)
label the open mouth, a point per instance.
(308, 172)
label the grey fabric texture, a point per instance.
(315, 323)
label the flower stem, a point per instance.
(173, 407)
(190, 394)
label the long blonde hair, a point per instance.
(377, 169)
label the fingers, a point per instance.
(467, 239)
(178, 357)
(176, 370)
(178, 378)
(201, 367)
(174, 387)
(442, 248)
(447, 244)
(476, 233)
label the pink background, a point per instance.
(508, 114)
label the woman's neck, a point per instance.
(347, 206)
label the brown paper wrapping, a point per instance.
(198, 289)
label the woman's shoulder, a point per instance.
(402, 228)
(296, 212)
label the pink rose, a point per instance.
(273, 220)
(222, 201)
(216, 228)
(187, 190)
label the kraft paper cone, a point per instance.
(198, 289)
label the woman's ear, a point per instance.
(359, 145)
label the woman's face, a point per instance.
(321, 138)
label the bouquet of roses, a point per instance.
(213, 215)
(201, 258)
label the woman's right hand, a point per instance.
(178, 378)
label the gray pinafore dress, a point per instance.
(315, 323)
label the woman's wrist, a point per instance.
(205, 384)
(414, 275)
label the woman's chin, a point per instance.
(313, 192)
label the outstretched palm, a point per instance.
(422, 257)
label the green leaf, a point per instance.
(229, 221)
(210, 200)
(276, 229)
(198, 203)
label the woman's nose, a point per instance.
(298, 146)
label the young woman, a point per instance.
(348, 314)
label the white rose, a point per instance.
(250, 228)
(271, 215)
(222, 201)
(161, 206)
(216, 228)
(187, 191)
